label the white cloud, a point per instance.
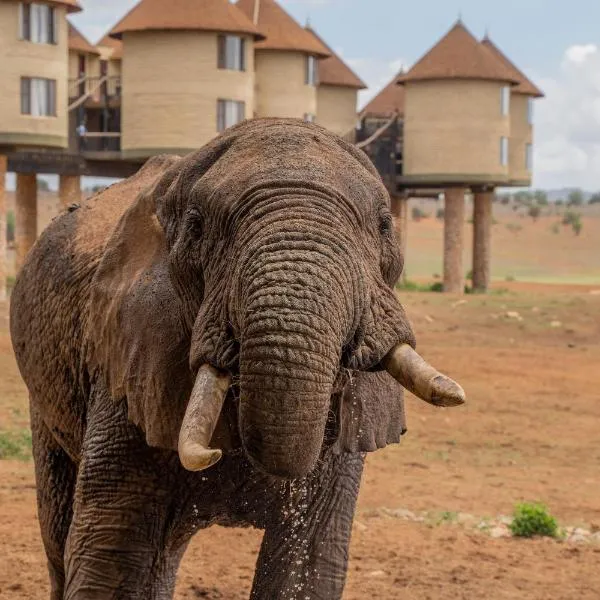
(578, 54)
(567, 123)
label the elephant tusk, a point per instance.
(201, 417)
(419, 377)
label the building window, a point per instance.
(529, 157)
(229, 113)
(232, 53)
(504, 151)
(38, 23)
(505, 101)
(38, 97)
(530, 111)
(311, 70)
(310, 118)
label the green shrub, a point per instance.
(440, 214)
(412, 286)
(15, 445)
(534, 211)
(418, 214)
(514, 227)
(573, 219)
(555, 228)
(530, 520)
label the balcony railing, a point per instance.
(100, 141)
(96, 89)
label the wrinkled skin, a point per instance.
(269, 254)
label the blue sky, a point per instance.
(556, 42)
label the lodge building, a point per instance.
(168, 77)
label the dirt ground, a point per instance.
(528, 357)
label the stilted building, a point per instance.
(337, 92)
(465, 126)
(188, 73)
(170, 76)
(286, 63)
(33, 105)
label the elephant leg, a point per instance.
(305, 549)
(119, 537)
(55, 475)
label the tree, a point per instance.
(43, 185)
(541, 198)
(595, 199)
(534, 211)
(576, 198)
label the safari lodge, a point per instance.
(167, 78)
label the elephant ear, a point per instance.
(371, 412)
(135, 339)
(139, 325)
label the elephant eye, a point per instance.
(385, 223)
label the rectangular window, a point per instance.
(530, 111)
(505, 101)
(229, 113)
(38, 23)
(529, 157)
(38, 97)
(311, 70)
(231, 52)
(504, 151)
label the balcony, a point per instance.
(95, 92)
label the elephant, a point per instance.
(216, 340)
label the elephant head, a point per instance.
(268, 259)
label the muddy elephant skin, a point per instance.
(269, 254)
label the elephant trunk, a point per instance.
(296, 318)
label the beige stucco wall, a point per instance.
(521, 134)
(171, 85)
(281, 90)
(452, 132)
(18, 59)
(336, 108)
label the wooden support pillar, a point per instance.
(400, 214)
(3, 257)
(69, 190)
(25, 216)
(454, 225)
(482, 239)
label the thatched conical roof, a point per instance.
(334, 71)
(458, 55)
(186, 15)
(388, 102)
(526, 86)
(79, 43)
(282, 31)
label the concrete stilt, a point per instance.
(454, 225)
(400, 213)
(25, 216)
(69, 190)
(3, 257)
(482, 239)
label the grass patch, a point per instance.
(533, 519)
(15, 445)
(412, 286)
